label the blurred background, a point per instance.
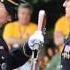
(54, 10)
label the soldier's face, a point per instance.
(3, 14)
(67, 8)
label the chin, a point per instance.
(57, 43)
(68, 16)
(25, 23)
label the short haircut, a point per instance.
(25, 5)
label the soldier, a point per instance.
(65, 57)
(17, 56)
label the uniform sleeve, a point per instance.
(18, 58)
(3, 43)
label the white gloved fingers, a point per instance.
(36, 38)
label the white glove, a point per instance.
(36, 38)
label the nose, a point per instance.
(64, 4)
